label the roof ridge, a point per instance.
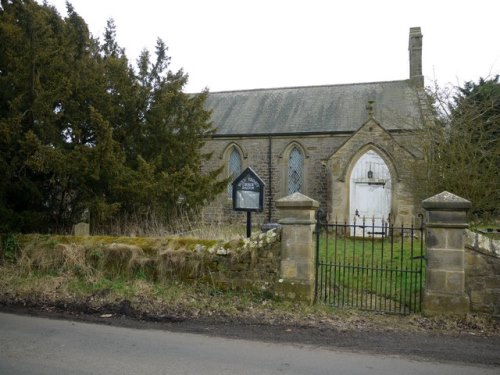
(306, 87)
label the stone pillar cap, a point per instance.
(446, 201)
(415, 31)
(297, 201)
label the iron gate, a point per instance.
(370, 266)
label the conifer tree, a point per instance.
(80, 128)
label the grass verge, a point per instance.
(177, 301)
(57, 273)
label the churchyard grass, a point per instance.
(371, 273)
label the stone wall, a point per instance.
(298, 220)
(240, 263)
(398, 159)
(462, 268)
(445, 218)
(317, 149)
(482, 273)
(280, 262)
(252, 264)
(256, 269)
(318, 182)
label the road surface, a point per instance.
(31, 345)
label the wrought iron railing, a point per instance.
(370, 267)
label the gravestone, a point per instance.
(81, 229)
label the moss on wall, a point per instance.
(239, 263)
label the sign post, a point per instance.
(248, 195)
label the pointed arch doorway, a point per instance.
(370, 194)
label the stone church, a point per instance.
(349, 146)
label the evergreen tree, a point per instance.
(31, 83)
(171, 129)
(81, 129)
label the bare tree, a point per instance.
(461, 150)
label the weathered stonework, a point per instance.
(327, 160)
(445, 274)
(256, 270)
(331, 127)
(297, 273)
(317, 150)
(371, 136)
(81, 229)
(482, 273)
(253, 265)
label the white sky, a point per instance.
(244, 44)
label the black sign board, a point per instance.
(248, 192)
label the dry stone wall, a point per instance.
(256, 268)
(482, 272)
(250, 264)
(463, 267)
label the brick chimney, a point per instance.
(415, 49)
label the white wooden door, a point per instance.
(370, 208)
(370, 195)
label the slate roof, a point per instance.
(314, 109)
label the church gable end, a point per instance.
(370, 137)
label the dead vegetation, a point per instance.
(176, 301)
(157, 260)
(137, 277)
(154, 259)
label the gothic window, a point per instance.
(295, 171)
(233, 169)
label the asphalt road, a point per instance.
(30, 345)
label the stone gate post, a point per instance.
(444, 291)
(297, 270)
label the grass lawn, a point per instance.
(375, 273)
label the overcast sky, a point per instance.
(245, 44)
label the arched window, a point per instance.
(295, 171)
(233, 169)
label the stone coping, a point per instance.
(482, 243)
(297, 201)
(446, 201)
